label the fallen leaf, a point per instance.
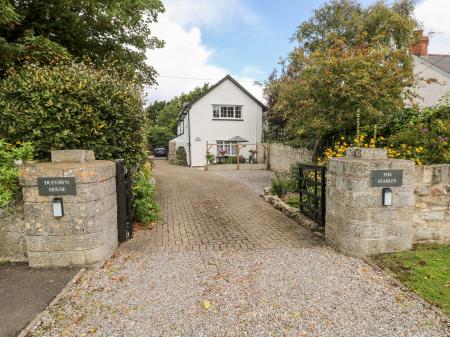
(297, 315)
(206, 304)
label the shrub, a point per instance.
(425, 137)
(9, 173)
(159, 135)
(293, 201)
(147, 210)
(73, 106)
(416, 134)
(282, 184)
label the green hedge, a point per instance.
(10, 157)
(147, 210)
(73, 106)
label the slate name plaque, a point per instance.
(57, 186)
(386, 178)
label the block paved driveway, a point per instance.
(223, 263)
(206, 211)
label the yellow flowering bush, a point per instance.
(404, 151)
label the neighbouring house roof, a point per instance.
(442, 62)
(238, 139)
(187, 106)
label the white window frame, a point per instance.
(227, 112)
(230, 147)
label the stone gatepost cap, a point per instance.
(72, 156)
(366, 153)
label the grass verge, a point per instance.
(425, 269)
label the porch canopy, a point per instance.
(238, 139)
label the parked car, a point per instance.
(160, 152)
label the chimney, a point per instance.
(421, 47)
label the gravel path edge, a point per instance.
(30, 326)
(444, 318)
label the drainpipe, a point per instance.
(189, 131)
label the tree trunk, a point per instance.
(316, 149)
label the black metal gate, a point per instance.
(312, 183)
(125, 198)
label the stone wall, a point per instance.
(282, 156)
(356, 221)
(172, 152)
(86, 234)
(432, 204)
(13, 246)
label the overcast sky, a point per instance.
(207, 39)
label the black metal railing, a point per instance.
(312, 183)
(125, 199)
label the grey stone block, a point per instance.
(432, 215)
(366, 153)
(72, 156)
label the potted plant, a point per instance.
(222, 154)
(253, 154)
(209, 157)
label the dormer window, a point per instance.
(227, 112)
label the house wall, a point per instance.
(430, 93)
(205, 129)
(181, 140)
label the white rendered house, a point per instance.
(433, 73)
(224, 115)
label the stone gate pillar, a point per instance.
(70, 210)
(357, 222)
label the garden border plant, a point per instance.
(147, 210)
(11, 157)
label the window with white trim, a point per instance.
(227, 146)
(227, 112)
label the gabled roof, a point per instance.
(442, 62)
(228, 77)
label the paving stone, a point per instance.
(203, 211)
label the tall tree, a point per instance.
(102, 30)
(349, 59)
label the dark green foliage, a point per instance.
(282, 184)
(349, 60)
(10, 156)
(73, 106)
(293, 200)
(427, 129)
(104, 31)
(147, 210)
(159, 135)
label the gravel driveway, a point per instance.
(282, 292)
(231, 275)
